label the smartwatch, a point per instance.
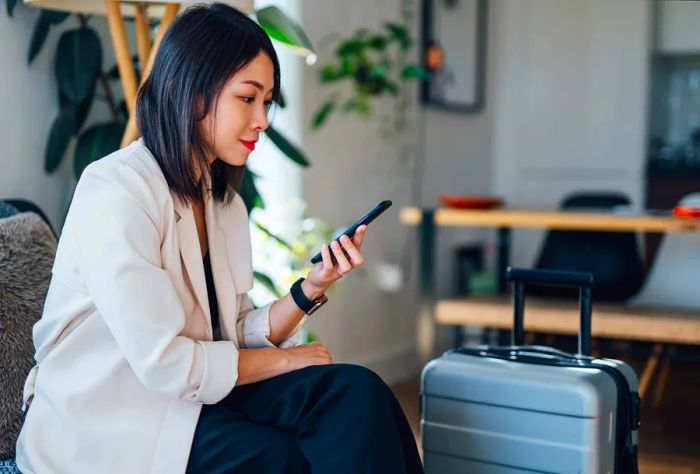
(306, 305)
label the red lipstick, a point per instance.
(248, 145)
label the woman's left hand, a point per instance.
(347, 256)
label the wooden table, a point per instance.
(428, 219)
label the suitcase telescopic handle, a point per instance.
(583, 281)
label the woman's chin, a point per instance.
(237, 160)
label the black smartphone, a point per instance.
(375, 212)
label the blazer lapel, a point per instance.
(224, 283)
(191, 254)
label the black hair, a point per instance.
(202, 49)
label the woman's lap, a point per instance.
(225, 442)
(337, 417)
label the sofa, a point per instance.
(27, 252)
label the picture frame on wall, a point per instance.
(454, 52)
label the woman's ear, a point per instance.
(199, 109)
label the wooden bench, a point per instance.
(662, 326)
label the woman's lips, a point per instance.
(248, 145)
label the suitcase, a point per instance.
(525, 409)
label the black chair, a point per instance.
(614, 258)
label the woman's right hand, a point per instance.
(304, 355)
(265, 362)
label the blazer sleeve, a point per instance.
(253, 326)
(115, 228)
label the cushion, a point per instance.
(8, 466)
(7, 209)
(27, 251)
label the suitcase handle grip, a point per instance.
(584, 281)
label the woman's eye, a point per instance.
(248, 100)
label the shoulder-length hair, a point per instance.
(202, 49)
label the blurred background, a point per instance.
(521, 103)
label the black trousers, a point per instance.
(324, 419)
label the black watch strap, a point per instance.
(306, 305)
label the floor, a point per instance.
(669, 440)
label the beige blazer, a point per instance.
(124, 351)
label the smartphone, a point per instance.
(375, 212)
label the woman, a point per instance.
(150, 356)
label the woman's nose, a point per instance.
(260, 121)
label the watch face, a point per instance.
(320, 302)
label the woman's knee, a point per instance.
(359, 380)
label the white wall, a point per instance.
(29, 104)
(570, 102)
(353, 169)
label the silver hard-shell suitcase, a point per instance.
(524, 409)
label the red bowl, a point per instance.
(686, 212)
(469, 202)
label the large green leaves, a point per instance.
(96, 142)
(285, 30)
(46, 19)
(61, 131)
(78, 63)
(292, 152)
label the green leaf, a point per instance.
(113, 72)
(82, 111)
(292, 152)
(400, 34)
(278, 239)
(378, 70)
(414, 72)
(267, 282)
(358, 104)
(280, 101)
(351, 46)
(41, 31)
(391, 87)
(378, 42)
(55, 17)
(59, 137)
(285, 30)
(78, 63)
(322, 114)
(96, 142)
(11, 7)
(249, 192)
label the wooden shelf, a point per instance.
(562, 317)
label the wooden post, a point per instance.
(662, 382)
(121, 51)
(143, 36)
(171, 9)
(649, 370)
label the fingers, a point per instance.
(326, 258)
(344, 265)
(359, 236)
(318, 352)
(353, 252)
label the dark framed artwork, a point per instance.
(454, 53)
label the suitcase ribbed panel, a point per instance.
(487, 416)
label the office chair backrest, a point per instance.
(613, 257)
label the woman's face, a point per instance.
(235, 121)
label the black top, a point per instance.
(211, 294)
